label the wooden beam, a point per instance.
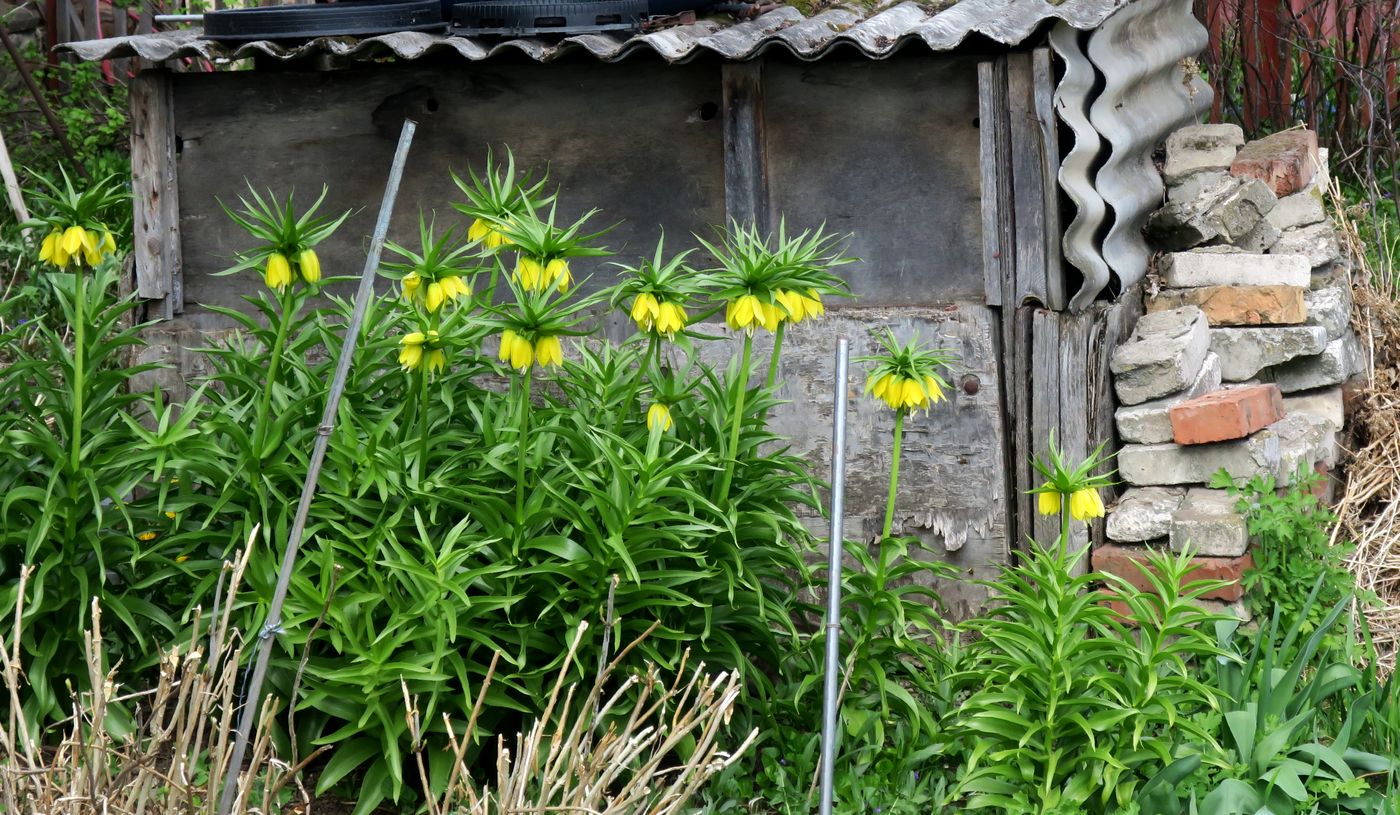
(1043, 90)
(745, 154)
(996, 183)
(156, 216)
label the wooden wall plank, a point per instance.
(745, 145)
(1046, 419)
(991, 109)
(156, 216)
(1043, 88)
(1027, 184)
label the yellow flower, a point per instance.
(109, 244)
(771, 315)
(1048, 503)
(659, 414)
(517, 351)
(935, 392)
(557, 270)
(1085, 504)
(742, 312)
(73, 239)
(91, 252)
(310, 266)
(145, 537)
(530, 272)
(548, 351)
(410, 283)
(49, 249)
(455, 287)
(444, 291)
(278, 274)
(794, 303)
(418, 352)
(484, 231)
(170, 515)
(670, 318)
(812, 304)
(182, 558)
(645, 309)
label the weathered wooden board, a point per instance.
(745, 144)
(154, 183)
(952, 488)
(644, 145)
(887, 150)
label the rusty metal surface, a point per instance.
(876, 33)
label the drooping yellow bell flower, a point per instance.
(484, 231)
(1085, 504)
(310, 265)
(670, 318)
(1048, 503)
(411, 282)
(812, 304)
(444, 290)
(659, 414)
(795, 304)
(934, 391)
(51, 248)
(146, 537)
(417, 351)
(772, 315)
(454, 286)
(91, 253)
(278, 274)
(557, 272)
(645, 309)
(531, 274)
(516, 351)
(548, 351)
(109, 243)
(73, 239)
(746, 312)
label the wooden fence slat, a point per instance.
(745, 155)
(156, 224)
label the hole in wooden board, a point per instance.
(179, 144)
(708, 111)
(431, 104)
(977, 122)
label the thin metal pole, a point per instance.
(273, 626)
(832, 680)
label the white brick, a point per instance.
(1189, 269)
(1209, 524)
(1163, 356)
(1144, 514)
(1327, 404)
(1245, 352)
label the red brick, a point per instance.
(1233, 413)
(1119, 560)
(1285, 161)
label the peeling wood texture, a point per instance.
(745, 165)
(155, 220)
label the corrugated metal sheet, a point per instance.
(1073, 95)
(1149, 90)
(876, 34)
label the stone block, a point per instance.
(1123, 561)
(1299, 209)
(1201, 147)
(1144, 514)
(1331, 309)
(1234, 268)
(1285, 161)
(1150, 422)
(1163, 356)
(1228, 414)
(1207, 521)
(1328, 404)
(1238, 305)
(1258, 240)
(1317, 243)
(1338, 362)
(1198, 184)
(1331, 276)
(1227, 213)
(1244, 352)
(1275, 451)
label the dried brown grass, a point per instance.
(609, 749)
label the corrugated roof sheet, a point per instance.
(876, 33)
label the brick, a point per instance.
(1209, 523)
(1317, 243)
(1236, 608)
(1120, 560)
(1327, 404)
(1163, 356)
(1299, 209)
(1330, 308)
(1198, 184)
(1285, 161)
(1227, 213)
(1238, 305)
(1201, 147)
(1234, 268)
(1143, 514)
(1258, 240)
(1150, 422)
(1244, 352)
(1339, 361)
(1227, 414)
(1277, 451)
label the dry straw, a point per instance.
(604, 750)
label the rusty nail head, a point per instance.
(971, 385)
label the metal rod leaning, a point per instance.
(832, 678)
(273, 626)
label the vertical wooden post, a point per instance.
(745, 154)
(156, 218)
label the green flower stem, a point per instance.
(777, 354)
(894, 475)
(1064, 523)
(274, 365)
(79, 367)
(423, 420)
(644, 366)
(736, 421)
(523, 442)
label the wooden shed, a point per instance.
(992, 159)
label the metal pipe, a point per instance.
(832, 682)
(273, 626)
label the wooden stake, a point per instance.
(12, 191)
